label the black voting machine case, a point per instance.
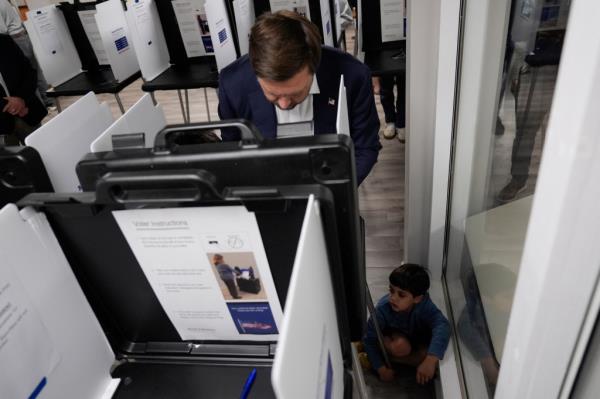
(152, 360)
(21, 172)
(326, 160)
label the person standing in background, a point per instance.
(11, 24)
(21, 108)
(394, 109)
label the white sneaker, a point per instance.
(401, 134)
(389, 132)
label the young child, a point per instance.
(415, 331)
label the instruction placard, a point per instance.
(208, 268)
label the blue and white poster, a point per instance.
(252, 317)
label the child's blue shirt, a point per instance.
(424, 317)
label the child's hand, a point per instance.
(376, 85)
(385, 374)
(426, 369)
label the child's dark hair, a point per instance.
(411, 277)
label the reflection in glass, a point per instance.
(490, 208)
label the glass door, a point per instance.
(511, 55)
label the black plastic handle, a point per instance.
(157, 186)
(250, 134)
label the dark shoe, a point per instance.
(510, 191)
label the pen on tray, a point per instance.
(248, 384)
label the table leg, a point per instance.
(58, 107)
(182, 107)
(373, 313)
(187, 106)
(153, 98)
(359, 377)
(120, 103)
(206, 103)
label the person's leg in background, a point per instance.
(24, 43)
(386, 95)
(23, 129)
(401, 106)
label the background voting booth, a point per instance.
(83, 47)
(137, 127)
(74, 129)
(154, 301)
(85, 126)
(182, 44)
(381, 35)
(325, 14)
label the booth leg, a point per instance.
(185, 121)
(187, 106)
(371, 307)
(120, 103)
(359, 378)
(206, 103)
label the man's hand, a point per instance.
(426, 369)
(15, 106)
(385, 374)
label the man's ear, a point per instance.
(418, 298)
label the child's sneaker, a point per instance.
(360, 347)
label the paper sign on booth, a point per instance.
(208, 269)
(27, 355)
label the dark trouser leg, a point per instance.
(387, 98)
(401, 100)
(22, 129)
(26, 47)
(527, 125)
(521, 152)
(232, 288)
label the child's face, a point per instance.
(402, 300)
(217, 260)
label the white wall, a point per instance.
(422, 62)
(444, 119)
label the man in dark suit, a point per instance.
(22, 109)
(289, 78)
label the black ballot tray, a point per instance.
(21, 172)
(326, 160)
(147, 352)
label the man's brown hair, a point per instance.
(282, 44)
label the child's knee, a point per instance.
(399, 347)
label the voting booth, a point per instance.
(123, 290)
(382, 35)
(137, 127)
(321, 12)
(182, 44)
(74, 129)
(83, 47)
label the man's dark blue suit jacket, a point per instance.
(240, 96)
